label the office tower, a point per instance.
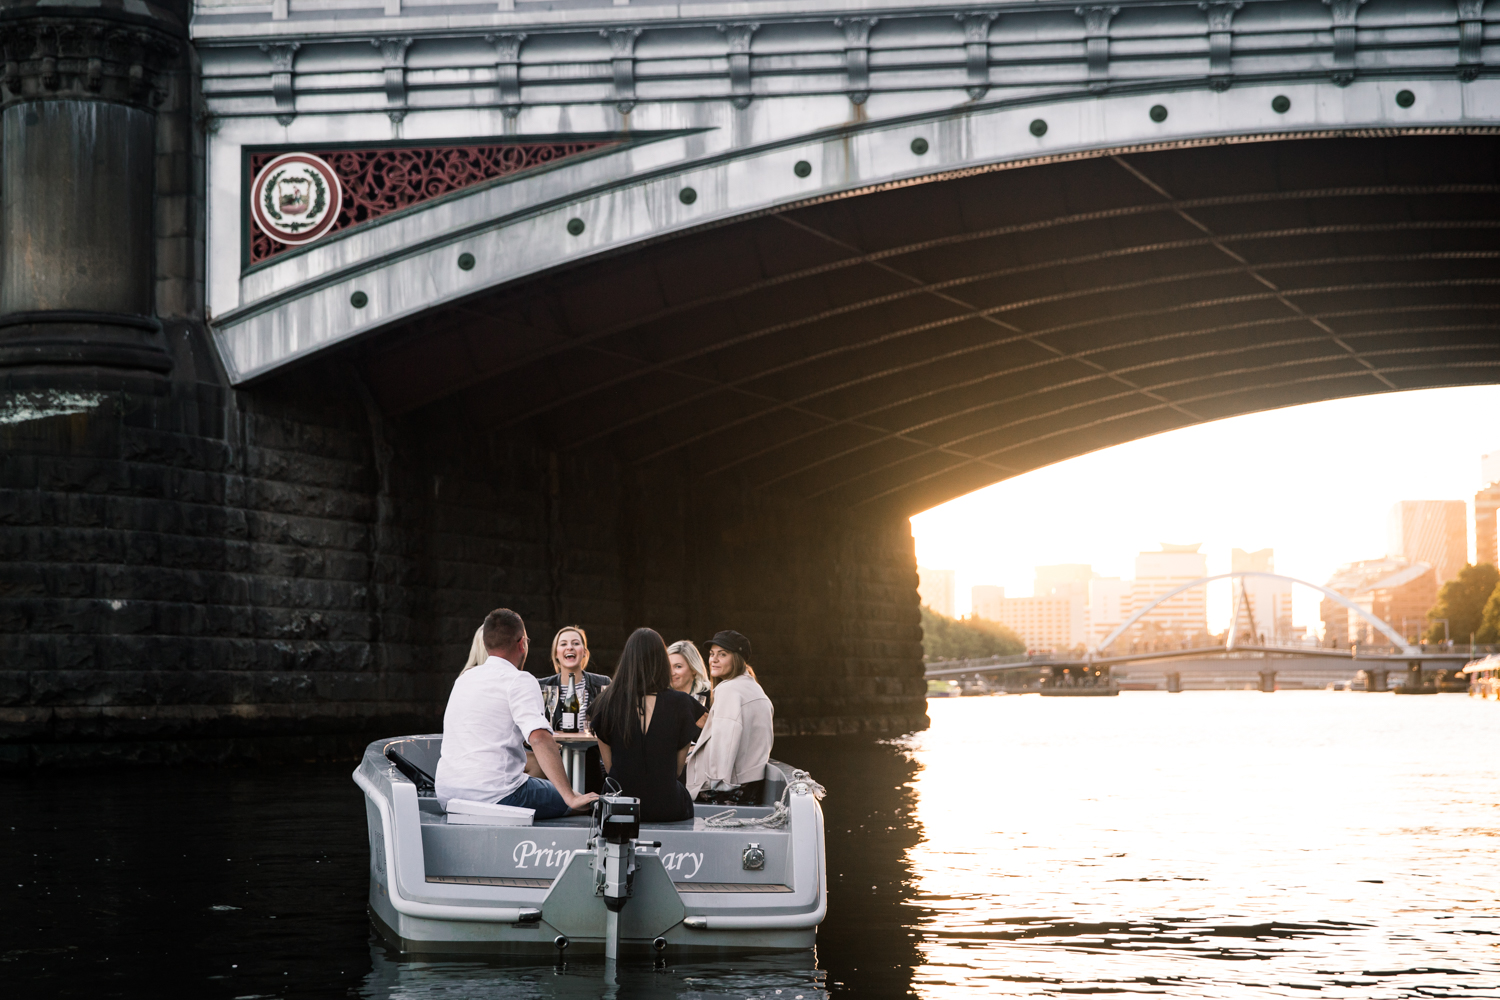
(1159, 573)
(1430, 531)
(1486, 504)
(984, 601)
(1395, 591)
(1043, 623)
(1069, 580)
(1489, 467)
(1260, 607)
(1109, 606)
(937, 588)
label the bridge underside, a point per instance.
(889, 351)
(723, 429)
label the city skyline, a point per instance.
(1232, 484)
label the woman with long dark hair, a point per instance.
(644, 729)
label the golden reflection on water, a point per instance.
(1208, 844)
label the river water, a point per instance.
(1208, 844)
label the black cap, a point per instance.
(732, 641)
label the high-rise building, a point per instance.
(1043, 623)
(1395, 591)
(1489, 467)
(1486, 505)
(1158, 573)
(1070, 580)
(1065, 578)
(985, 600)
(1054, 618)
(937, 588)
(1109, 606)
(1260, 607)
(1431, 531)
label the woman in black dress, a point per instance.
(644, 729)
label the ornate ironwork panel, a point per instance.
(377, 182)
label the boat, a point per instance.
(490, 879)
(1110, 690)
(1484, 677)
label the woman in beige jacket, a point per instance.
(729, 759)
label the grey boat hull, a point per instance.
(440, 887)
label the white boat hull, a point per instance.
(447, 888)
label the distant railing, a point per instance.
(938, 669)
(957, 668)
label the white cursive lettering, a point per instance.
(541, 857)
(677, 862)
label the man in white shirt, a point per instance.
(495, 709)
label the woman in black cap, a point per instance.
(728, 764)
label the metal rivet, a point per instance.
(1281, 104)
(1038, 128)
(1406, 98)
(687, 196)
(802, 169)
(1158, 113)
(466, 262)
(919, 146)
(359, 300)
(575, 227)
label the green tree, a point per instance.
(1489, 625)
(1462, 601)
(945, 638)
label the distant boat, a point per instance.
(1484, 677)
(1109, 690)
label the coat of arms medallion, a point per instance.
(296, 198)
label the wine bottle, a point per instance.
(570, 711)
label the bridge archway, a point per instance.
(898, 349)
(697, 411)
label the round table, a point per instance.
(575, 751)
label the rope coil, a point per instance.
(801, 782)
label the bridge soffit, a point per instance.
(720, 117)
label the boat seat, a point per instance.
(415, 773)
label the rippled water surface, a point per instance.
(1209, 844)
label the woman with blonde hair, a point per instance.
(477, 653)
(728, 763)
(572, 679)
(689, 675)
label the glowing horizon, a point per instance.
(1314, 483)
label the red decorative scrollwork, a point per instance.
(377, 182)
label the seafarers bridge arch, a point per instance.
(1381, 626)
(756, 281)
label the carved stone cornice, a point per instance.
(84, 58)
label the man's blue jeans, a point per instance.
(538, 794)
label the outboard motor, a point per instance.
(614, 861)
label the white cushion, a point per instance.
(467, 811)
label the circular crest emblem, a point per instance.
(296, 198)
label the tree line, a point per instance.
(1470, 603)
(945, 638)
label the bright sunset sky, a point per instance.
(1313, 482)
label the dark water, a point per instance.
(1200, 845)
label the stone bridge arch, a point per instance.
(269, 501)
